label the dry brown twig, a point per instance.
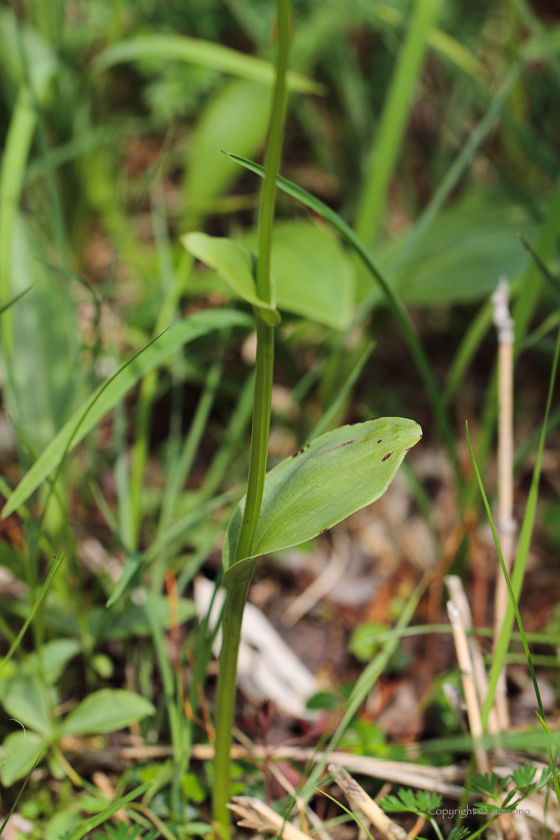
(459, 599)
(251, 813)
(469, 688)
(356, 794)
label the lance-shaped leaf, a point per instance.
(331, 478)
(234, 264)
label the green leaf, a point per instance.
(20, 750)
(45, 381)
(331, 478)
(54, 657)
(471, 245)
(25, 699)
(524, 776)
(111, 391)
(15, 299)
(363, 642)
(203, 53)
(458, 833)
(130, 568)
(234, 264)
(314, 276)
(106, 711)
(393, 299)
(133, 621)
(209, 171)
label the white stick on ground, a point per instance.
(251, 813)
(469, 688)
(458, 597)
(506, 524)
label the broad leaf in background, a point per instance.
(53, 657)
(106, 711)
(331, 478)
(314, 276)
(43, 378)
(25, 700)
(111, 391)
(234, 264)
(209, 172)
(25, 56)
(460, 258)
(20, 751)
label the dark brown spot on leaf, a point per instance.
(340, 445)
(388, 455)
(379, 441)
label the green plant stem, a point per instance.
(236, 596)
(225, 696)
(259, 438)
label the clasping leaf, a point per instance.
(234, 263)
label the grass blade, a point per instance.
(12, 172)
(513, 601)
(552, 281)
(392, 123)
(18, 797)
(107, 813)
(52, 572)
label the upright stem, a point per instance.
(237, 591)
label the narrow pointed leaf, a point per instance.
(334, 476)
(111, 391)
(107, 813)
(234, 264)
(203, 53)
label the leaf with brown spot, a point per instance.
(336, 475)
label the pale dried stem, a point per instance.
(459, 599)
(506, 524)
(435, 779)
(356, 794)
(251, 813)
(469, 688)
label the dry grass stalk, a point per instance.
(250, 813)
(356, 794)
(506, 524)
(459, 599)
(435, 779)
(469, 688)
